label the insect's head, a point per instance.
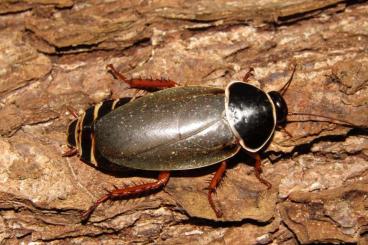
(280, 107)
(279, 102)
(282, 110)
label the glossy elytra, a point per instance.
(177, 128)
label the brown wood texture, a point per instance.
(53, 54)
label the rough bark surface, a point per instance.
(53, 54)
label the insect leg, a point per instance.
(140, 83)
(212, 188)
(72, 111)
(126, 192)
(70, 152)
(258, 169)
(248, 74)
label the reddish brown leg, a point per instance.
(131, 191)
(248, 74)
(142, 83)
(258, 169)
(286, 132)
(70, 152)
(72, 111)
(212, 188)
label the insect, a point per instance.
(177, 128)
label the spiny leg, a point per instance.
(212, 188)
(70, 152)
(258, 169)
(162, 180)
(139, 83)
(72, 111)
(248, 74)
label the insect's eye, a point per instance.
(280, 106)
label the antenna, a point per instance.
(327, 119)
(287, 84)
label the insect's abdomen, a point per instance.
(178, 128)
(80, 131)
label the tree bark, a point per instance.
(53, 55)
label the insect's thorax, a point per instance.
(251, 115)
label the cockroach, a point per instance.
(178, 128)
